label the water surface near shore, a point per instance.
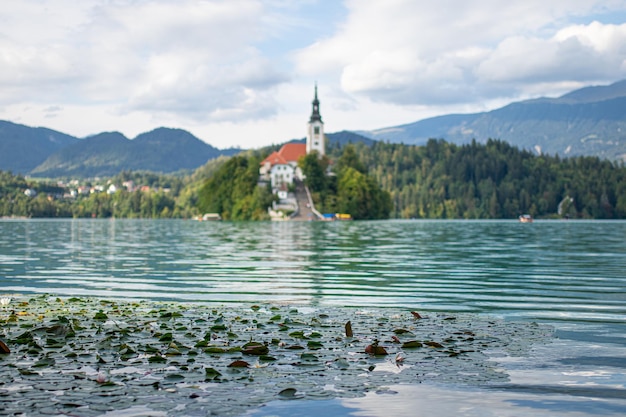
(570, 274)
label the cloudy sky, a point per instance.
(242, 72)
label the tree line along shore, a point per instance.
(439, 180)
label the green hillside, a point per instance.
(437, 181)
(162, 150)
(22, 148)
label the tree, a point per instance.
(314, 169)
(233, 191)
(350, 159)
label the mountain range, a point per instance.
(42, 152)
(47, 153)
(589, 121)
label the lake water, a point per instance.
(569, 274)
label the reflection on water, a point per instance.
(433, 400)
(549, 270)
(571, 274)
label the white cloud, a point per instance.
(191, 58)
(579, 53)
(243, 70)
(407, 52)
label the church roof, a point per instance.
(274, 159)
(290, 152)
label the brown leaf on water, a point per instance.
(416, 314)
(239, 364)
(395, 339)
(348, 329)
(4, 348)
(375, 350)
(434, 345)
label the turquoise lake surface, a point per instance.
(567, 274)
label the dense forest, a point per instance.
(439, 180)
(494, 181)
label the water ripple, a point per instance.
(545, 270)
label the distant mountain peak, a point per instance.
(587, 121)
(595, 93)
(44, 152)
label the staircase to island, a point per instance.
(306, 211)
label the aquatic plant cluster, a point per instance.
(86, 356)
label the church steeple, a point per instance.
(315, 114)
(315, 140)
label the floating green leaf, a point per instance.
(211, 374)
(170, 315)
(141, 350)
(215, 349)
(314, 344)
(157, 359)
(298, 335)
(44, 362)
(254, 348)
(167, 337)
(100, 316)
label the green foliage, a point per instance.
(50, 201)
(493, 180)
(314, 169)
(438, 180)
(350, 159)
(233, 191)
(360, 196)
(350, 190)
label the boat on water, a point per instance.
(526, 218)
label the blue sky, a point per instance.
(242, 72)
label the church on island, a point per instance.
(281, 169)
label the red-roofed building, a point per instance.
(281, 168)
(293, 151)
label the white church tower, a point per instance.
(315, 137)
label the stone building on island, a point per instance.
(280, 168)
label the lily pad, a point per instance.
(157, 359)
(142, 349)
(254, 348)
